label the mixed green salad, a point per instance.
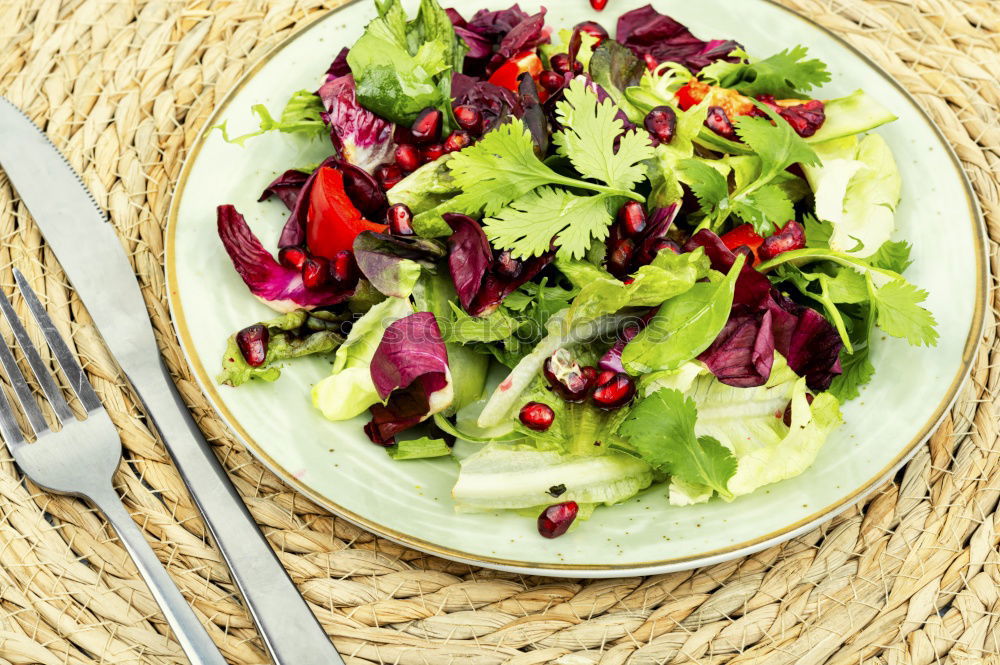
(579, 267)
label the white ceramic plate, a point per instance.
(337, 467)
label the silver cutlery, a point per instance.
(92, 257)
(80, 460)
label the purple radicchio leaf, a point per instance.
(743, 353)
(763, 321)
(524, 36)
(480, 289)
(411, 375)
(658, 38)
(379, 257)
(275, 285)
(494, 25)
(286, 187)
(612, 358)
(480, 46)
(751, 286)
(339, 66)
(361, 137)
(494, 103)
(469, 257)
(533, 114)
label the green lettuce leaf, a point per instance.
(421, 448)
(291, 335)
(506, 477)
(857, 188)
(349, 390)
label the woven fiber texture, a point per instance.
(124, 86)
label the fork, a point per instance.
(81, 458)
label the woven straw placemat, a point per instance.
(123, 87)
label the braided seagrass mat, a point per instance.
(123, 87)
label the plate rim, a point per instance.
(208, 388)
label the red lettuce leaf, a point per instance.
(743, 353)
(339, 66)
(405, 409)
(752, 287)
(278, 287)
(411, 349)
(658, 38)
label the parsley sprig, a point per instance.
(528, 205)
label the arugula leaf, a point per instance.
(588, 140)
(661, 428)
(784, 75)
(301, 115)
(684, 326)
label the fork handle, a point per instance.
(191, 634)
(290, 631)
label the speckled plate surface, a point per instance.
(335, 465)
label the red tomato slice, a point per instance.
(333, 221)
(525, 61)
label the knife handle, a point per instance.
(290, 631)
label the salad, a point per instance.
(579, 267)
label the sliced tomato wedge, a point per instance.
(333, 221)
(507, 75)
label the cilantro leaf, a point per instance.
(775, 142)
(591, 131)
(528, 225)
(900, 313)
(817, 232)
(498, 169)
(707, 184)
(661, 429)
(892, 255)
(857, 370)
(764, 208)
(785, 74)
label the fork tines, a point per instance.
(74, 373)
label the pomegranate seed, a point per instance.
(663, 243)
(433, 151)
(594, 29)
(457, 140)
(792, 236)
(427, 127)
(388, 175)
(315, 272)
(620, 258)
(292, 257)
(403, 135)
(719, 123)
(599, 5)
(661, 122)
(551, 81)
(343, 268)
(615, 392)
(632, 217)
(252, 341)
(400, 220)
(561, 64)
(507, 266)
(604, 376)
(565, 376)
(469, 118)
(590, 373)
(408, 157)
(556, 520)
(537, 416)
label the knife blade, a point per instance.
(91, 254)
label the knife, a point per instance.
(91, 254)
